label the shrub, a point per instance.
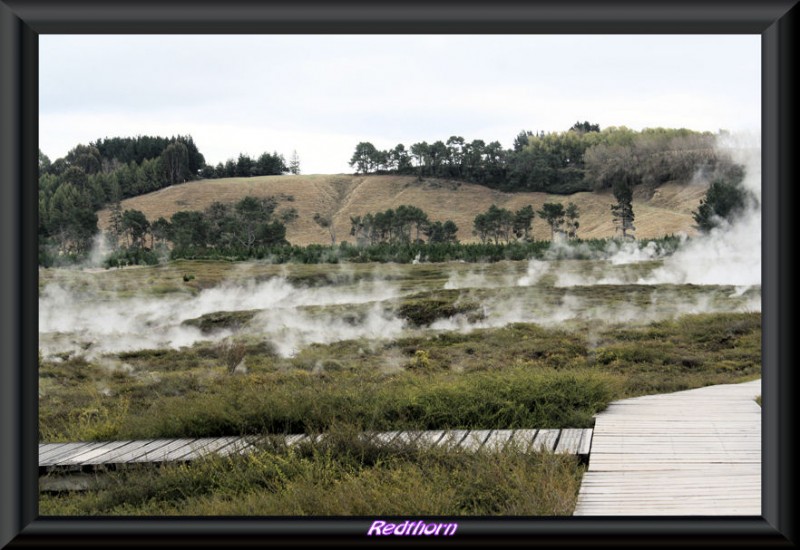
(232, 353)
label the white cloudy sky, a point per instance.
(320, 95)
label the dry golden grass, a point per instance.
(660, 211)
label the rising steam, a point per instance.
(725, 264)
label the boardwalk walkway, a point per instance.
(695, 452)
(89, 456)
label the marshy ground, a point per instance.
(195, 349)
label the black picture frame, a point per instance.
(21, 21)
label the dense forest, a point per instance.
(106, 171)
(583, 158)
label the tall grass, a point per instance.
(518, 398)
(342, 476)
(519, 376)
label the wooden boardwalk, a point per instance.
(90, 456)
(695, 452)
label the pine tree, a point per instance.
(724, 200)
(572, 214)
(623, 209)
(553, 214)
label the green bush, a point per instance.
(130, 256)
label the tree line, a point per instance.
(238, 228)
(583, 158)
(409, 224)
(405, 224)
(245, 166)
(89, 177)
(502, 225)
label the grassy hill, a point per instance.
(664, 210)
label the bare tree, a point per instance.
(294, 163)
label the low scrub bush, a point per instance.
(342, 476)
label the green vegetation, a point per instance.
(73, 188)
(623, 209)
(238, 229)
(398, 252)
(583, 158)
(553, 213)
(244, 166)
(424, 308)
(341, 476)
(404, 225)
(500, 224)
(519, 376)
(493, 374)
(725, 200)
(108, 170)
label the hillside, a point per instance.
(664, 210)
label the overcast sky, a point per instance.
(321, 95)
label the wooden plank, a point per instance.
(366, 437)
(201, 447)
(137, 451)
(690, 479)
(406, 438)
(673, 450)
(585, 445)
(522, 440)
(46, 450)
(669, 452)
(88, 456)
(239, 446)
(184, 447)
(117, 453)
(474, 439)
(430, 439)
(452, 438)
(89, 459)
(545, 441)
(696, 452)
(714, 491)
(664, 511)
(131, 449)
(99, 458)
(44, 447)
(696, 440)
(164, 453)
(295, 439)
(497, 440)
(385, 438)
(64, 450)
(569, 441)
(233, 443)
(652, 477)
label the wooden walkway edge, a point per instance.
(695, 452)
(91, 456)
